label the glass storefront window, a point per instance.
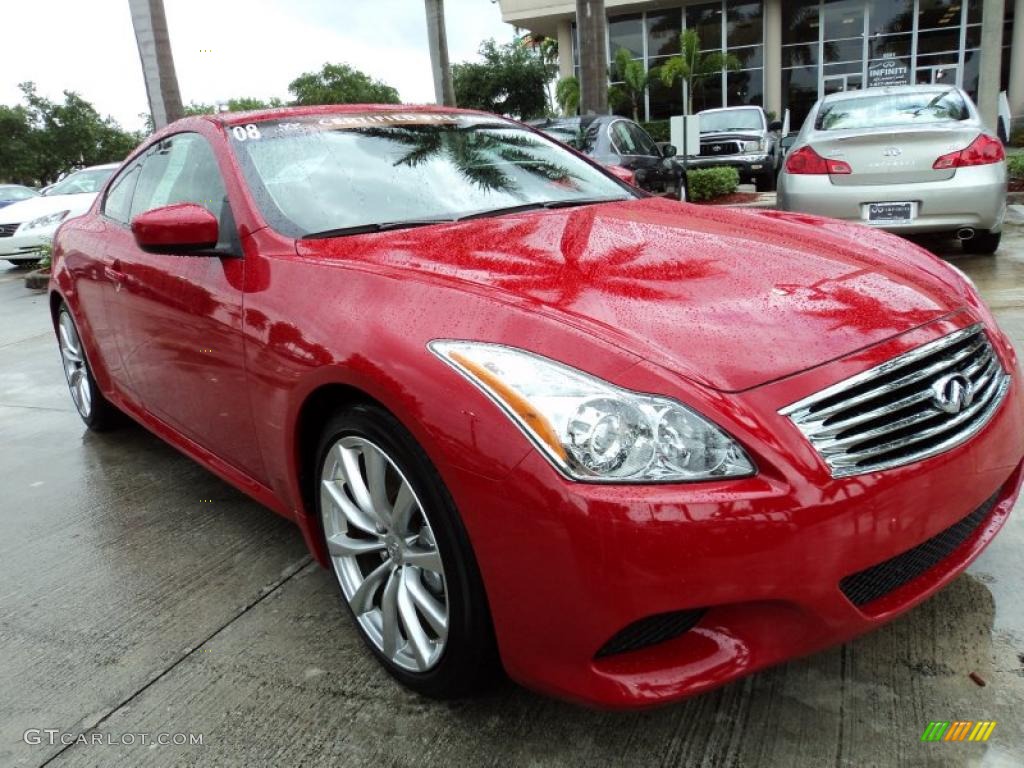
(626, 32)
(800, 22)
(663, 30)
(799, 55)
(844, 50)
(664, 101)
(707, 20)
(890, 45)
(707, 93)
(799, 92)
(938, 41)
(750, 57)
(843, 18)
(936, 14)
(744, 24)
(745, 88)
(891, 16)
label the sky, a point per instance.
(230, 49)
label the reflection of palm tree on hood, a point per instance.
(476, 154)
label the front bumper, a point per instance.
(22, 245)
(749, 166)
(568, 565)
(974, 197)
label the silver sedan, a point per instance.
(911, 159)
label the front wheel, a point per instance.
(96, 411)
(401, 556)
(983, 243)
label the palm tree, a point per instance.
(692, 65)
(592, 28)
(472, 152)
(154, 44)
(634, 78)
(437, 38)
(567, 94)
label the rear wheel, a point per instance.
(96, 411)
(401, 557)
(983, 243)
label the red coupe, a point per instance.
(626, 448)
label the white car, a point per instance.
(27, 226)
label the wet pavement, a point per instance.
(141, 595)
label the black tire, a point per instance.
(983, 243)
(765, 182)
(101, 415)
(25, 263)
(469, 662)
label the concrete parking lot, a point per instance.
(141, 595)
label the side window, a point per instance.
(181, 169)
(118, 205)
(622, 141)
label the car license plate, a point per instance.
(890, 211)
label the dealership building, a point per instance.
(792, 53)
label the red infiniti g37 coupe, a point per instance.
(623, 447)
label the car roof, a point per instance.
(283, 113)
(889, 90)
(729, 109)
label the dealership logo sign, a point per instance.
(958, 730)
(953, 393)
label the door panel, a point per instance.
(180, 316)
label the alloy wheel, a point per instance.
(74, 364)
(384, 553)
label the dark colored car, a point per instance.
(612, 140)
(15, 193)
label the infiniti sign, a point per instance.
(953, 393)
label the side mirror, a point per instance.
(623, 174)
(775, 125)
(668, 150)
(181, 228)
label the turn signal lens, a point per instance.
(984, 150)
(806, 162)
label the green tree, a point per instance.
(567, 93)
(340, 84)
(17, 148)
(55, 137)
(634, 78)
(510, 80)
(692, 65)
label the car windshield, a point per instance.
(892, 109)
(16, 193)
(81, 182)
(731, 120)
(313, 174)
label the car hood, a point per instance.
(26, 210)
(730, 299)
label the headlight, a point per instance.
(592, 430)
(750, 147)
(47, 221)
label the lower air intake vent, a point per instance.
(651, 631)
(879, 580)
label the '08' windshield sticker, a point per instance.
(277, 129)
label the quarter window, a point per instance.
(118, 205)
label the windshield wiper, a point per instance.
(361, 229)
(550, 205)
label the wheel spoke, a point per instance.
(389, 615)
(341, 545)
(85, 393)
(362, 599)
(429, 606)
(419, 643)
(405, 505)
(332, 493)
(376, 467)
(428, 559)
(356, 484)
(70, 339)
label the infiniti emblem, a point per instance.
(953, 393)
(892, 152)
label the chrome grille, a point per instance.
(8, 230)
(906, 409)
